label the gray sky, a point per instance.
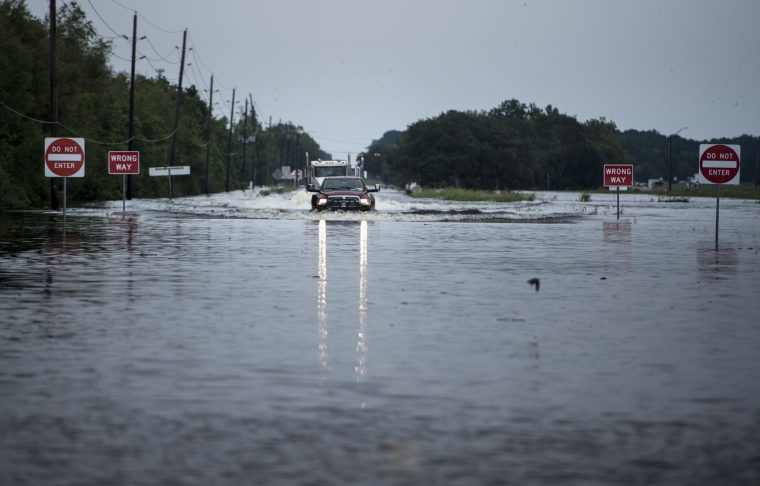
(348, 70)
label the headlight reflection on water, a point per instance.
(361, 335)
(360, 369)
(322, 295)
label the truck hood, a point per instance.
(343, 193)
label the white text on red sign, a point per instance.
(124, 162)
(618, 175)
(64, 157)
(719, 164)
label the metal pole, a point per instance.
(124, 193)
(717, 212)
(618, 202)
(169, 169)
(64, 204)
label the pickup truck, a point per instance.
(343, 193)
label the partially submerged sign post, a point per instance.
(719, 164)
(64, 157)
(124, 162)
(618, 177)
(169, 171)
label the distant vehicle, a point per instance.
(346, 193)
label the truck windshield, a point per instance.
(333, 170)
(343, 185)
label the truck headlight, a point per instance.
(321, 202)
(364, 201)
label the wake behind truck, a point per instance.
(319, 169)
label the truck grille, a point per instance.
(343, 202)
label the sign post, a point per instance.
(64, 157)
(719, 164)
(618, 177)
(169, 171)
(124, 162)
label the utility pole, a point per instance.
(130, 130)
(670, 161)
(179, 99)
(255, 131)
(229, 144)
(53, 97)
(208, 130)
(245, 142)
(297, 158)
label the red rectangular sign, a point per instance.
(124, 162)
(618, 175)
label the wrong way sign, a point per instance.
(64, 157)
(719, 163)
(618, 176)
(124, 162)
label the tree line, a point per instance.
(521, 146)
(94, 104)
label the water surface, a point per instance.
(273, 345)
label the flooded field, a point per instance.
(242, 339)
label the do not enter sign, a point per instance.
(64, 157)
(719, 164)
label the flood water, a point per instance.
(245, 340)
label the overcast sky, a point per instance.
(349, 70)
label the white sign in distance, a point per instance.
(171, 170)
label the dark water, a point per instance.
(166, 349)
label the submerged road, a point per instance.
(275, 346)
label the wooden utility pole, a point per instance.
(53, 98)
(255, 131)
(130, 130)
(245, 141)
(229, 144)
(179, 99)
(208, 130)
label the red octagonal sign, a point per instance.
(719, 164)
(64, 157)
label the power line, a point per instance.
(164, 58)
(156, 26)
(119, 57)
(91, 140)
(104, 21)
(26, 116)
(124, 6)
(198, 56)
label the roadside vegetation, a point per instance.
(741, 191)
(458, 194)
(521, 146)
(94, 104)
